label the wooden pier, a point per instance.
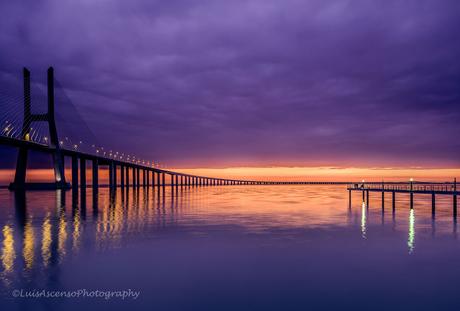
(411, 188)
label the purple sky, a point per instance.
(266, 82)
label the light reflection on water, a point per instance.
(43, 231)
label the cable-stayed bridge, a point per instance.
(26, 130)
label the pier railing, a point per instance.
(416, 187)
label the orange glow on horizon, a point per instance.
(276, 173)
(327, 173)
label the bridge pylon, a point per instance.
(49, 117)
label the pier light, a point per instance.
(61, 143)
(363, 180)
(75, 146)
(411, 179)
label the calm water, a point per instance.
(229, 248)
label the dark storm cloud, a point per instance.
(253, 82)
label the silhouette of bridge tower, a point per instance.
(48, 117)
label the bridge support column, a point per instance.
(433, 203)
(95, 177)
(367, 198)
(122, 176)
(133, 169)
(114, 171)
(138, 178)
(411, 200)
(127, 176)
(147, 172)
(74, 173)
(159, 179)
(83, 173)
(172, 180)
(110, 175)
(383, 199)
(163, 180)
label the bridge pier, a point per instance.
(411, 199)
(147, 172)
(433, 203)
(114, 171)
(83, 173)
(74, 173)
(133, 169)
(110, 174)
(127, 175)
(163, 180)
(159, 179)
(95, 182)
(138, 179)
(122, 176)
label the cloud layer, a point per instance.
(259, 82)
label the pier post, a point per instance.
(158, 179)
(163, 178)
(138, 176)
(454, 198)
(172, 180)
(153, 179)
(383, 199)
(74, 173)
(367, 198)
(433, 203)
(127, 176)
(147, 172)
(349, 198)
(393, 200)
(82, 172)
(411, 199)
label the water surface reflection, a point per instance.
(236, 243)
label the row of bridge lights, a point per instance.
(8, 129)
(116, 155)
